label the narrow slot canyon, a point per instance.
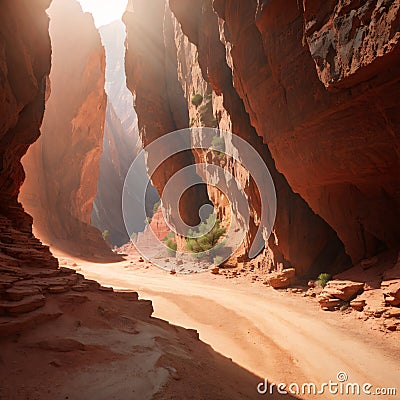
(199, 199)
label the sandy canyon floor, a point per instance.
(281, 336)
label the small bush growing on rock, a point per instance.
(197, 99)
(171, 244)
(134, 236)
(218, 143)
(106, 235)
(323, 279)
(211, 231)
(218, 260)
(156, 206)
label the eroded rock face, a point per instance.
(197, 54)
(351, 41)
(324, 103)
(121, 144)
(24, 66)
(151, 69)
(337, 148)
(62, 166)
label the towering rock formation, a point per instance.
(313, 89)
(62, 166)
(321, 83)
(121, 143)
(159, 102)
(24, 66)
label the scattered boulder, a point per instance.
(357, 304)
(283, 279)
(391, 326)
(343, 290)
(328, 302)
(215, 271)
(392, 312)
(391, 292)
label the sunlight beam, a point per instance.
(104, 11)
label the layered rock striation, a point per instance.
(24, 67)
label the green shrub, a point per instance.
(134, 236)
(156, 206)
(323, 279)
(218, 261)
(171, 244)
(218, 144)
(210, 232)
(172, 247)
(197, 99)
(170, 235)
(106, 235)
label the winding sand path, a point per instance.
(282, 337)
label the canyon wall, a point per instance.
(62, 166)
(301, 238)
(320, 83)
(159, 101)
(313, 88)
(121, 144)
(24, 67)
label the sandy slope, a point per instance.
(282, 337)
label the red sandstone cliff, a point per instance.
(62, 166)
(24, 66)
(121, 144)
(58, 331)
(320, 83)
(305, 239)
(159, 101)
